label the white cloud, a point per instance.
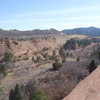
(51, 20)
(59, 11)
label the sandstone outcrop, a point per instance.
(88, 89)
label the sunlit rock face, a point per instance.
(88, 89)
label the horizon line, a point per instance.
(46, 29)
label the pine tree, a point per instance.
(17, 93)
(36, 94)
(62, 53)
(11, 95)
(7, 56)
(92, 66)
(99, 55)
(1, 92)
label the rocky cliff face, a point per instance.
(88, 89)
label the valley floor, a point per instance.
(22, 76)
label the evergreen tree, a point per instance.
(11, 95)
(7, 57)
(17, 93)
(53, 57)
(36, 94)
(32, 93)
(3, 69)
(99, 55)
(92, 66)
(62, 53)
(1, 92)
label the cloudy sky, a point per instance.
(46, 14)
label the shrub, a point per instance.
(45, 49)
(3, 69)
(54, 53)
(36, 94)
(64, 60)
(14, 42)
(52, 57)
(33, 59)
(46, 56)
(78, 59)
(56, 65)
(37, 59)
(62, 52)
(30, 92)
(7, 57)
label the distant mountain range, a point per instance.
(89, 31)
(17, 33)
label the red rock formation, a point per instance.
(88, 89)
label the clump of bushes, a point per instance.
(27, 93)
(37, 59)
(14, 42)
(36, 94)
(46, 56)
(56, 65)
(53, 56)
(45, 49)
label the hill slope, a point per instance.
(90, 31)
(17, 33)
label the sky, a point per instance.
(46, 14)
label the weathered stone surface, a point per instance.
(88, 89)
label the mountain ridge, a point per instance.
(89, 31)
(9, 33)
